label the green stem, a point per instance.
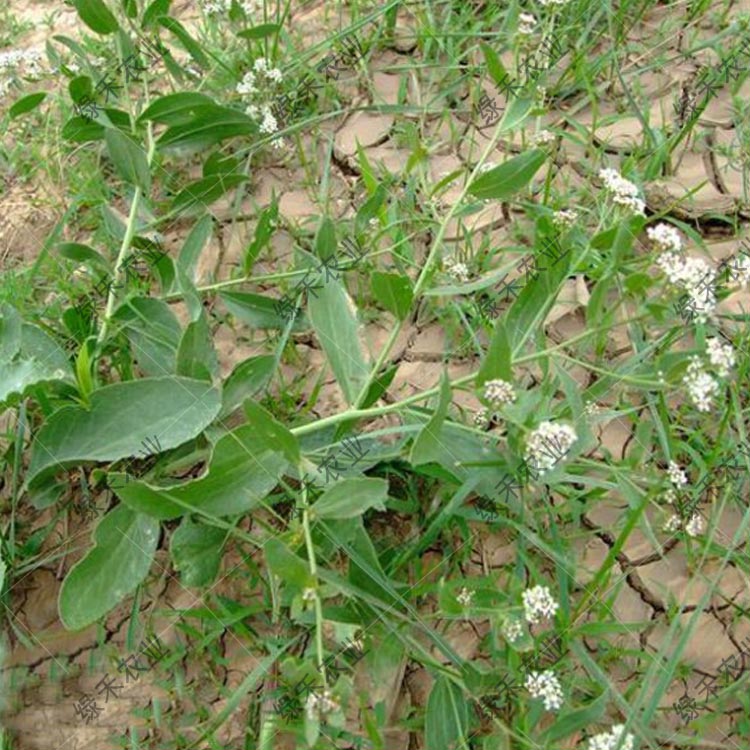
(314, 573)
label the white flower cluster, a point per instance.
(612, 740)
(721, 356)
(665, 237)
(260, 109)
(542, 138)
(624, 192)
(527, 24)
(693, 527)
(320, 703)
(676, 475)
(465, 597)
(538, 604)
(552, 2)
(548, 444)
(26, 63)
(482, 417)
(459, 271)
(545, 685)
(565, 218)
(695, 277)
(512, 630)
(701, 386)
(217, 7)
(499, 392)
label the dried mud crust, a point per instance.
(648, 581)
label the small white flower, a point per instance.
(260, 65)
(669, 496)
(499, 392)
(308, 595)
(247, 85)
(695, 525)
(269, 124)
(695, 277)
(527, 24)
(465, 597)
(548, 444)
(545, 685)
(565, 218)
(721, 356)
(610, 740)
(701, 387)
(673, 524)
(278, 143)
(459, 271)
(512, 630)
(321, 703)
(538, 604)
(676, 475)
(542, 138)
(624, 192)
(666, 237)
(482, 417)
(592, 409)
(215, 7)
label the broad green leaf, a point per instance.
(219, 164)
(37, 358)
(428, 443)
(121, 417)
(516, 112)
(156, 10)
(379, 386)
(259, 32)
(129, 158)
(196, 356)
(274, 434)
(334, 319)
(394, 292)
(80, 130)
(241, 472)
(263, 233)
(125, 543)
(177, 109)
(370, 209)
(198, 195)
(350, 498)
(447, 715)
(10, 332)
(506, 180)
(84, 254)
(96, 15)
(196, 552)
(570, 723)
(209, 125)
(495, 67)
(497, 362)
(291, 568)
(259, 311)
(187, 41)
(26, 104)
(190, 252)
(245, 381)
(81, 87)
(325, 240)
(154, 333)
